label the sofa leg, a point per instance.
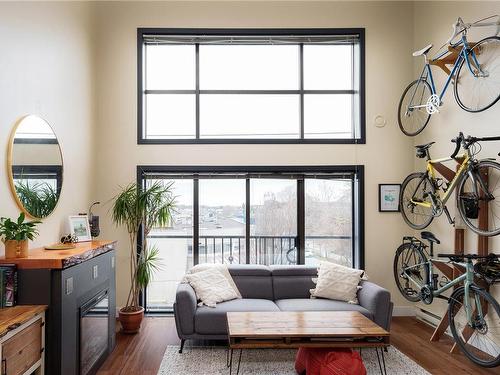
(182, 345)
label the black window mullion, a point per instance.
(197, 50)
(196, 222)
(301, 86)
(247, 221)
(301, 221)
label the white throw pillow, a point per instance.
(221, 267)
(211, 287)
(337, 282)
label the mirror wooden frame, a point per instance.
(10, 174)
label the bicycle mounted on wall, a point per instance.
(473, 314)
(424, 196)
(475, 76)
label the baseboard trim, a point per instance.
(403, 311)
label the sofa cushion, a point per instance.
(337, 282)
(249, 270)
(253, 281)
(319, 304)
(293, 281)
(213, 320)
(212, 286)
(299, 270)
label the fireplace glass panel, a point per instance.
(94, 318)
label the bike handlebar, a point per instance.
(468, 256)
(458, 144)
(455, 32)
(460, 26)
(467, 141)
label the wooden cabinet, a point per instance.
(66, 281)
(22, 340)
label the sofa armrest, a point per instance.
(184, 308)
(378, 301)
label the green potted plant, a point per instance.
(39, 199)
(139, 208)
(15, 235)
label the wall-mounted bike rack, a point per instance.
(452, 272)
(449, 59)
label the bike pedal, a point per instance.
(410, 292)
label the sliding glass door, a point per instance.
(221, 221)
(329, 220)
(175, 245)
(273, 221)
(242, 216)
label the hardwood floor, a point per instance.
(142, 353)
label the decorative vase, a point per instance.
(131, 320)
(16, 249)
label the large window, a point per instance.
(261, 215)
(251, 86)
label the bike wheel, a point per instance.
(481, 341)
(473, 200)
(413, 120)
(409, 257)
(416, 187)
(477, 93)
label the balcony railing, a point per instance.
(231, 249)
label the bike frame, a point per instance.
(426, 74)
(467, 278)
(431, 172)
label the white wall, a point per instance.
(433, 22)
(389, 33)
(46, 69)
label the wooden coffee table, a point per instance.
(310, 329)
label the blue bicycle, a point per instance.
(475, 76)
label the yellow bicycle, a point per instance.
(423, 196)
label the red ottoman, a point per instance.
(329, 362)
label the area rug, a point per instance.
(212, 361)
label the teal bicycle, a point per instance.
(473, 313)
(475, 76)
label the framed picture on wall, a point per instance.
(79, 226)
(388, 197)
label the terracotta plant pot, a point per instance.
(16, 249)
(131, 320)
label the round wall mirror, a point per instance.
(35, 166)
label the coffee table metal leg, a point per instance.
(382, 350)
(239, 362)
(381, 364)
(230, 362)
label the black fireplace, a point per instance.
(94, 318)
(80, 324)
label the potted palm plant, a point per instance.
(15, 235)
(139, 208)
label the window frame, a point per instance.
(361, 139)
(358, 205)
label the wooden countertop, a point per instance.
(40, 258)
(12, 317)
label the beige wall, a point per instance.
(389, 32)
(46, 69)
(75, 65)
(433, 22)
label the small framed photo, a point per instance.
(388, 197)
(79, 226)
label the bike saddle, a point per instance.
(423, 51)
(429, 237)
(424, 147)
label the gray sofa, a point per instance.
(274, 288)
